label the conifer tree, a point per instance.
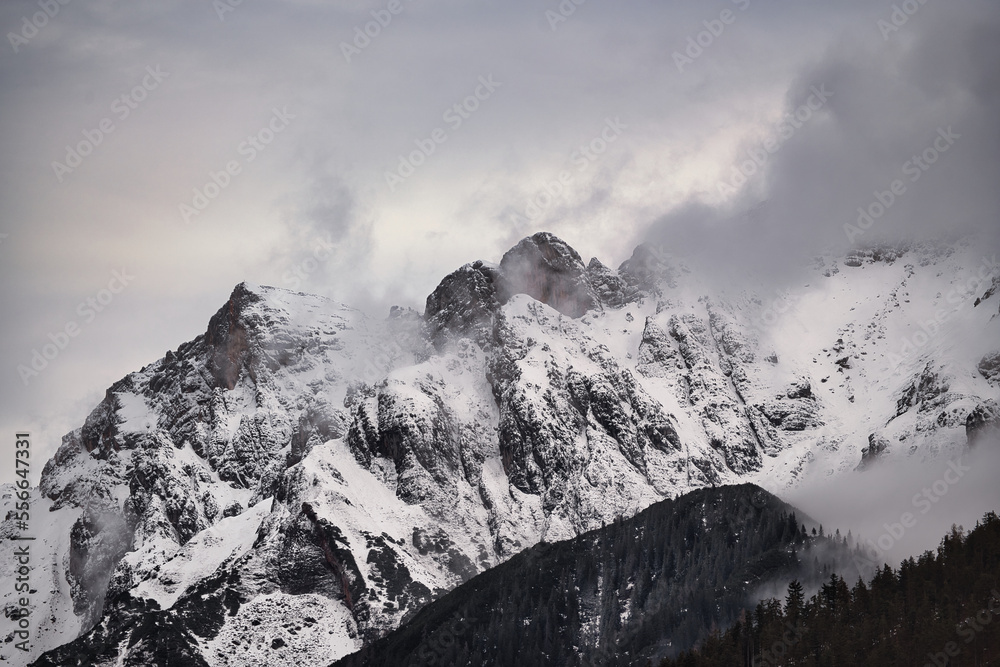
(794, 601)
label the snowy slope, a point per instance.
(52, 618)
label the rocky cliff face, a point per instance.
(548, 270)
(463, 306)
(301, 460)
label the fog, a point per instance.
(903, 508)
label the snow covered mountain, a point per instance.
(301, 478)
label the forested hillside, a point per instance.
(940, 609)
(632, 591)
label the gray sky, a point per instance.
(199, 81)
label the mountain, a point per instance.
(624, 594)
(301, 460)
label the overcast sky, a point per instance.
(114, 116)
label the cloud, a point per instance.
(903, 509)
(353, 121)
(917, 109)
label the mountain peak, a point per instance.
(548, 269)
(543, 266)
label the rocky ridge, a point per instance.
(301, 460)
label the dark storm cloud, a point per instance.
(916, 107)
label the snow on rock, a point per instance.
(203, 555)
(53, 621)
(285, 631)
(301, 460)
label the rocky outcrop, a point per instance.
(925, 392)
(878, 252)
(723, 412)
(608, 286)
(791, 414)
(877, 446)
(983, 424)
(993, 287)
(658, 352)
(229, 340)
(318, 423)
(547, 269)
(795, 410)
(585, 412)
(989, 366)
(463, 305)
(800, 389)
(98, 540)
